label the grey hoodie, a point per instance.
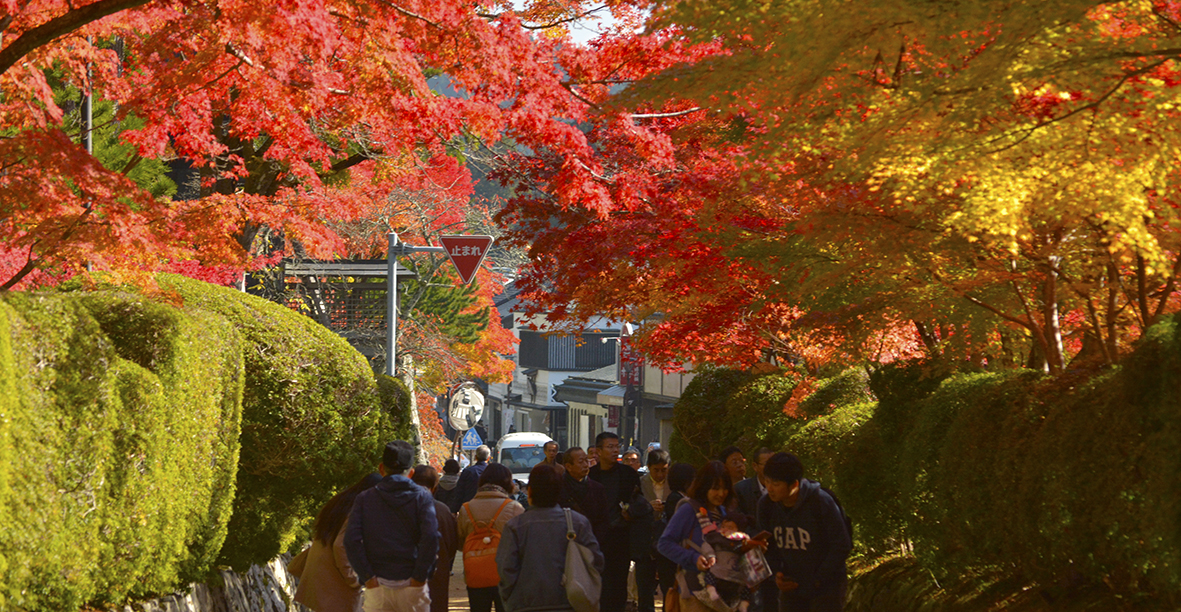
(446, 492)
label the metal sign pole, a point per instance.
(391, 328)
(394, 249)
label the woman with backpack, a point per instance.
(481, 522)
(533, 549)
(327, 582)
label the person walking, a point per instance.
(704, 514)
(445, 491)
(439, 585)
(327, 583)
(551, 453)
(392, 537)
(582, 494)
(680, 478)
(632, 458)
(654, 486)
(469, 479)
(810, 541)
(531, 558)
(748, 492)
(481, 524)
(621, 484)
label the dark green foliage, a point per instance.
(899, 385)
(722, 407)
(311, 419)
(848, 387)
(700, 408)
(845, 452)
(149, 173)
(120, 471)
(758, 414)
(395, 407)
(443, 305)
(1071, 480)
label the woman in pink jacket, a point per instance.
(326, 580)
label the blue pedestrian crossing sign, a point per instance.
(471, 440)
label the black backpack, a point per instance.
(844, 517)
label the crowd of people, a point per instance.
(388, 543)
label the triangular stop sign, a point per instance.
(466, 253)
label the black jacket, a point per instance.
(748, 493)
(628, 488)
(588, 499)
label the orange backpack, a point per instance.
(479, 551)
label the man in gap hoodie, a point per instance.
(393, 537)
(809, 541)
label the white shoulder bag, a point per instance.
(581, 579)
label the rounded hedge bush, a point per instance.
(723, 407)
(312, 420)
(131, 429)
(1071, 480)
(120, 446)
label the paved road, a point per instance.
(458, 593)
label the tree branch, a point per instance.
(1170, 287)
(232, 50)
(566, 20)
(350, 161)
(60, 26)
(411, 14)
(998, 312)
(570, 89)
(29, 266)
(1025, 133)
(666, 115)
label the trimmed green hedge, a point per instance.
(131, 430)
(1067, 480)
(312, 420)
(1071, 480)
(121, 419)
(722, 407)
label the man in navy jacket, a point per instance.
(392, 538)
(809, 540)
(469, 479)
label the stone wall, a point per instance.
(265, 588)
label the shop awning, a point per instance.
(612, 396)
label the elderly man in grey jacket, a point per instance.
(531, 557)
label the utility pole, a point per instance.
(396, 248)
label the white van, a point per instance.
(519, 452)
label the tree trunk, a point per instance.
(415, 422)
(1037, 358)
(928, 337)
(1142, 292)
(1051, 325)
(1113, 285)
